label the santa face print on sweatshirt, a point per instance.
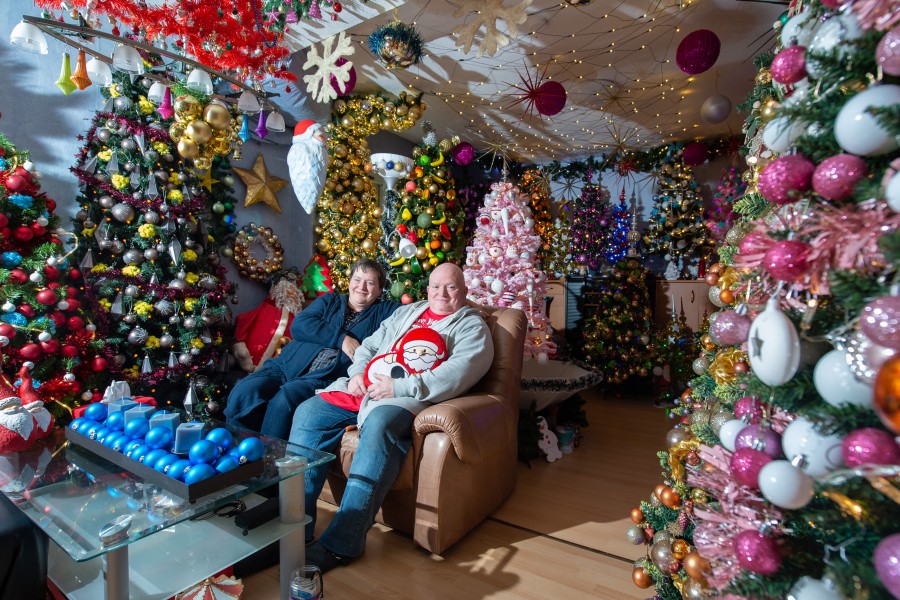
(420, 349)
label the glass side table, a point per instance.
(119, 536)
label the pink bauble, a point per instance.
(785, 178)
(748, 408)
(757, 552)
(698, 51)
(345, 88)
(410, 186)
(870, 446)
(789, 65)
(730, 328)
(787, 260)
(835, 176)
(755, 242)
(880, 321)
(887, 54)
(463, 153)
(759, 437)
(550, 98)
(695, 154)
(745, 466)
(886, 559)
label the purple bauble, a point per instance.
(880, 321)
(463, 153)
(698, 51)
(550, 98)
(730, 328)
(759, 437)
(789, 65)
(870, 446)
(695, 154)
(757, 552)
(746, 464)
(785, 178)
(786, 260)
(748, 408)
(835, 177)
(887, 54)
(886, 559)
(347, 87)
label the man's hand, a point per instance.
(381, 388)
(357, 386)
(349, 346)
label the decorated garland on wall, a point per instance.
(248, 264)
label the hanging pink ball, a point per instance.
(463, 153)
(870, 446)
(835, 176)
(886, 559)
(550, 98)
(695, 154)
(759, 437)
(746, 464)
(346, 88)
(698, 51)
(880, 321)
(787, 260)
(833, 3)
(755, 242)
(748, 408)
(757, 552)
(887, 54)
(785, 178)
(789, 65)
(730, 328)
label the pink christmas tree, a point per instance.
(720, 217)
(500, 265)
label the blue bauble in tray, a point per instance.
(159, 437)
(250, 449)
(96, 411)
(222, 438)
(198, 472)
(203, 452)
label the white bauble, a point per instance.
(729, 432)
(781, 133)
(822, 452)
(800, 90)
(497, 286)
(833, 33)
(774, 347)
(859, 132)
(892, 192)
(799, 30)
(808, 588)
(836, 383)
(785, 485)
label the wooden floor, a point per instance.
(560, 535)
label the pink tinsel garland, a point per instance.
(877, 14)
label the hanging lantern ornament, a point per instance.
(80, 77)
(547, 97)
(698, 51)
(397, 45)
(64, 83)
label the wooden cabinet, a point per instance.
(555, 296)
(691, 296)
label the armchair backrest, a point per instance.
(508, 327)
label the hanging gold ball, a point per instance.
(641, 578)
(769, 110)
(764, 77)
(187, 107)
(188, 148)
(680, 548)
(637, 515)
(217, 116)
(199, 131)
(695, 565)
(324, 245)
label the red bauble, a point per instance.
(698, 51)
(74, 274)
(71, 292)
(51, 204)
(550, 98)
(787, 260)
(7, 330)
(783, 180)
(746, 464)
(4, 220)
(406, 299)
(58, 318)
(52, 273)
(757, 552)
(337, 7)
(46, 297)
(401, 229)
(23, 234)
(18, 276)
(27, 310)
(5, 232)
(38, 230)
(69, 351)
(789, 65)
(53, 285)
(75, 323)
(73, 304)
(16, 183)
(836, 176)
(695, 154)
(30, 351)
(51, 346)
(99, 364)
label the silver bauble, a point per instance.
(160, 247)
(151, 155)
(675, 435)
(111, 124)
(137, 336)
(208, 282)
(662, 534)
(166, 340)
(117, 247)
(713, 294)
(184, 358)
(130, 318)
(151, 217)
(661, 554)
(190, 322)
(138, 195)
(151, 254)
(700, 365)
(129, 166)
(82, 215)
(189, 243)
(635, 535)
(145, 81)
(127, 144)
(119, 359)
(88, 224)
(122, 212)
(122, 103)
(104, 135)
(201, 381)
(178, 284)
(133, 257)
(174, 320)
(132, 291)
(719, 418)
(164, 307)
(195, 351)
(212, 407)
(106, 201)
(168, 157)
(161, 175)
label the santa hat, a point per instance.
(301, 127)
(26, 387)
(424, 336)
(8, 396)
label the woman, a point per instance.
(325, 335)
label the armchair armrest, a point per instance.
(478, 425)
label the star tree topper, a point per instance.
(261, 185)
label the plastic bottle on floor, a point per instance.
(306, 584)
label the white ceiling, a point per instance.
(615, 59)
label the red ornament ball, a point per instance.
(4, 220)
(870, 446)
(50, 203)
(789, 65)
(23, 234)
(99, 364)
(69, 351)
(787, 260)
(58, 318)
(46, 297)
(50, 347)
(18, 276)
(7, 330)
(757, 552)
(16, 183)
(337, 7)
(30, 351)
(835, 177)
(783, 180)
(52, 273)
(75, 323)
(27, 310)
(550, 98)
(75, 275)
(38, 230)
(698, 51)
(695, 154)
(406, 299)
(746, 464)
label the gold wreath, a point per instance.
(249, 265)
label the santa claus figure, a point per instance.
(421, 349)
(16, 423)
(33, 404)
(260, 333)
(307, 160)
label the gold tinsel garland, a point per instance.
(349, 211)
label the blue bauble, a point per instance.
(222, 438)
(178, 468)
(85, 426)
(92, 429)
(165, 461)
(76, 423)
(98, 433)
(137, 452)
(137, 428)
(96, 411)
(120, 442)
(159, 437)
(115, 421)
(110, 439)
(154, 455)
(198, 473)
(203, 451)
(251, 449)
(227, 463)
(130, 444)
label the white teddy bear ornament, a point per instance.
(547, 441)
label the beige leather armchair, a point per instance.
(462, 464)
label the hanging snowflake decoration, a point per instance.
(329, 68)
(397, 45)
(546, 97)
(487, 12)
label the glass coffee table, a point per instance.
(118, 536)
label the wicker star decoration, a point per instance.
(261, 185)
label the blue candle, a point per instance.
(186, 436)
(120, 405)
(138, 411)
(167, 418)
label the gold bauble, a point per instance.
(680, 548)
(637, 515)
(376, 212)
(421, 253)
(641, 578)
(415, 113)
(202, 163)
(188, 148)
(699, 496)
(199, 131)
(764, 77)
(217, 116)
(769, 110)
(407, 269)
(220, 145)
(367, 245)
(324, 245)
(340, 151)
(187, 107)
(176, 130)
(387, 124)
(347, 121)
(695, 565)
(433, 188)
(446, 246)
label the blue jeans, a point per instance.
(383, 444)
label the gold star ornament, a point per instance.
(261, 185)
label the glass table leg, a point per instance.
(292, 547)
(115, 572)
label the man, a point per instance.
(385, 409)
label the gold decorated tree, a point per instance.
(536, 185)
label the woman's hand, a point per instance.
(349, 346)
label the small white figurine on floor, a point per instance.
(547, 441)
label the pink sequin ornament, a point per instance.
(887, 54)
(698, 51)
(835, 176)
(783, 180)
(757, 552)
(746, 464)
(886, 559)
(880, 321)
(748, 408)
(695, 154)
(730, 328)
(759, 437)
(754, 242)
(870, 446)
(787, 260)
(463, 153)
(343, 88)
(789, 65)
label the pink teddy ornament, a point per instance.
(547, 441)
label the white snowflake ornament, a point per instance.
(318, 84)
(487, 12)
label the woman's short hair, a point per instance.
(367, 264)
